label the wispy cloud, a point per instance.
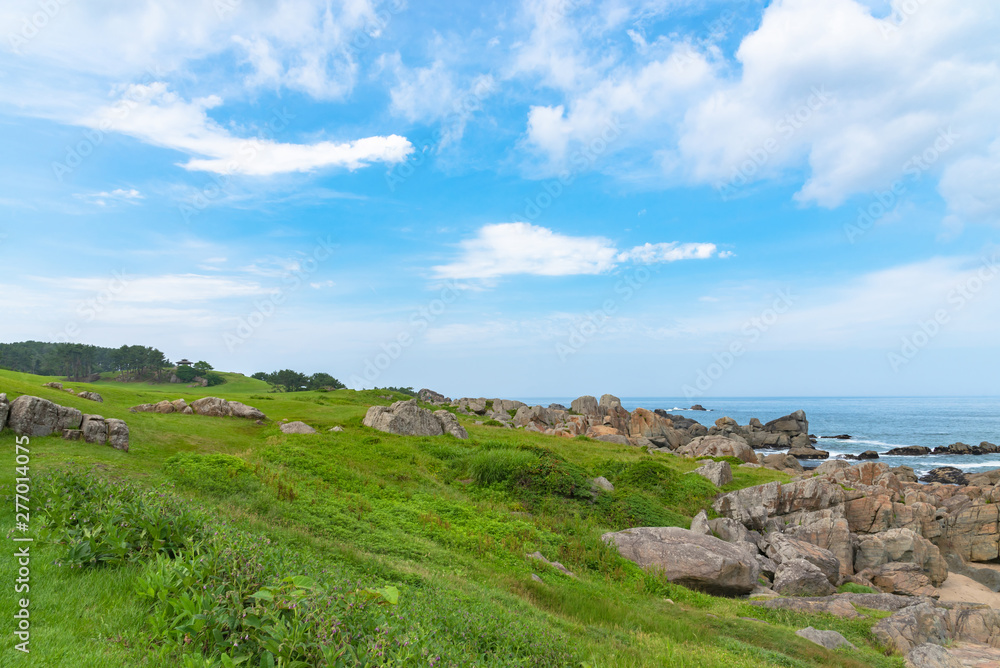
(522, 248)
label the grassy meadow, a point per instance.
(218, 542)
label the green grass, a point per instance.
(447, 522)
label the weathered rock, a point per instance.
(537, 415)
(687, 558)
(601, 482)
(904, 473)
(830, 605)
(972, 532)
(782, 549)
(94, 429)
(795, 423)
(211, 406)
(33, 416)
(240, 410)
(798, 577)
(432, 397)
(750, 506)
(450, 425)
(931, 656)
(296, 427)
(719, 446)
(54, 385)
(718, 473)
(408, 419)
(868, 454)
(118, 434)
(832, 534)
(912, 626)
(72, 434)
(4, 410)
(92, 396)
(808, 452)
(948, 475)
(910, 451)
(585, 405)
(164, 407)
(904, 579)
(904, 546)
(731, 531)
(782, 462)
(828, 639)
(831, 466)
(336, 429)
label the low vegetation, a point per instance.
(218, 542)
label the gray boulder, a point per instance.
(408, 419)
(95, 429)
(211, 406)
(719, 446)
(34, 416)
(798, 577)
(601, 482)
(296, 427)
(117, 434)
(718, 473)
(829, 639)
(931, 656)
(781, 549)
(240, 410)
(699, 524)
(450, 425)
(432, 397)
(4, 410)
(689, 559)
(92, 396)
(585, 405)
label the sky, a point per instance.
(538, 198)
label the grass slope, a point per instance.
(446, 522)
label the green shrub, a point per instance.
(852, 588)
(733, 461)
(497, 466)
(493, 423)
(634, 509)
(214, 473)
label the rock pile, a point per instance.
(36, 417)
(210, 406)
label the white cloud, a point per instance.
(521, 248)
(118, 194)
(168, 288)
(305, 45)
(158, 116)
(861, 97)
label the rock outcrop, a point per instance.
(4, 409)
(688, 558)
(92, 396)
(408, 419)
(209, 406)
(34, 416)
(718, 473)
(719, 446)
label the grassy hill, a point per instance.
(363, 548)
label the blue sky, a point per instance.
(538, 198)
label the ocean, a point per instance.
(874, 423)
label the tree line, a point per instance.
(79, 360)
(288, 380)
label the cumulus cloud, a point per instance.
(862, 95)
(154, 114)
(522, 248)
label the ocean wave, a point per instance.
(862, 441)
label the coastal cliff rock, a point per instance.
(719, 446)
(688, 558)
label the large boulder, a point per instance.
(4, 410)
(432, 397)
(719, 446)
(798, 577)
(902, 546)
(95, 429)
(690, 559)
(537, 415)
(450, 425)
(828, 639)
(830, 533)
(793, 424)
(718, 473)
(585, 405)
(781, 549)
(240, 410)
(92, 396)
(408, 419)
(296, 427)
(212, 407)
(896, 578)
(117, 434)
(34, 416)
